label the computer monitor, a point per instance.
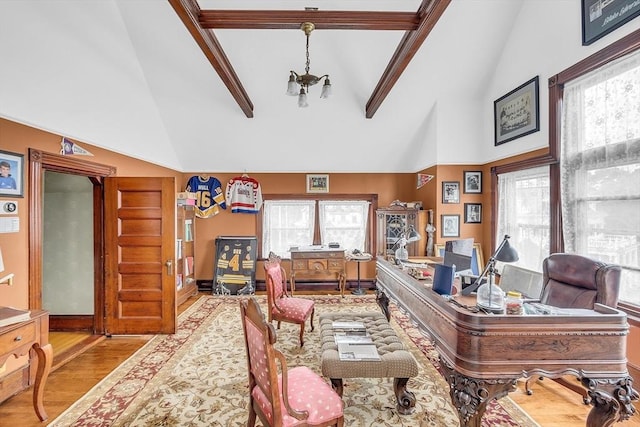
(459, 253)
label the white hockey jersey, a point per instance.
(244, 195)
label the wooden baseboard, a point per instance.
(71, 322)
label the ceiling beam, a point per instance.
(429, 13)
(189, 12)
(323, 20)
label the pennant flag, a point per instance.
(423, 178)
(70, 148)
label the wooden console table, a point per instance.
(21, 338)
(321, 263)
(484, 355)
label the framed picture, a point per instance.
(317, 183)
(517, 113)
(473, 182)
(473, 213)
(477, 260)
(450, 225)
(600, 17)
(450, 192)
(11, 172)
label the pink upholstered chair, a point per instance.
(297, 396)
(576, 281)
(281, 306)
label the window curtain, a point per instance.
(287, 223)
(523, 214)
(600, 167)
(344, 222)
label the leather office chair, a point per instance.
(575, 281)
(281, 306)
(297, 396)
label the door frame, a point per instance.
(39, 162)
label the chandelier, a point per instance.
(305, 80)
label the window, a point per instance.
(600, 168)
(287, 222)
(523, 214)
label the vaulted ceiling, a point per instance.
(199, 85)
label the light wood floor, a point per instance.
(551, 405)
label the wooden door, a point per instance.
(140, 291)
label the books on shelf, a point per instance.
(358, 351)
(188, 266)
(188, 230)
(10, 315)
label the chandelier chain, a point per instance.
(306, 69)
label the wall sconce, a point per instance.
(8, 279)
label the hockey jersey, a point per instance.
(244, 195)
(209, 195)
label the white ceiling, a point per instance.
(127, 76)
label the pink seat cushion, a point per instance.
(307, 392)
(296, 309)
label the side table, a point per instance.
(359, 259)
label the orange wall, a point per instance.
(18, 138)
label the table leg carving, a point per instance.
(611, 399)
(336, 383)
(383, 302)
(45, 357)
(406, 399)
(470, 396)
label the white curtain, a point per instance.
(600, 168)
(344, 222)
(523, 214)
(287, 223)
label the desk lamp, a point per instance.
(490, 297)
(407, 236)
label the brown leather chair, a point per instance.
(575, 281)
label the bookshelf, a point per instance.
(185, 253)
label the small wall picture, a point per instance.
(317, 183)
(450, 225)
(450, 192)
(11, 172)
(516, 114)
(473, 213)
(473, 182)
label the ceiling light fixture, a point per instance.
(305, 80)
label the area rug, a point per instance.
(198, 376)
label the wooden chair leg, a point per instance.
(312, 313)
(301, 334)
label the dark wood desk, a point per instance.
(484, 355)
(21, 338)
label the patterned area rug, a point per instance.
(198, 376)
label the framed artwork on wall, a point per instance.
(450, 192)
(473, 213)
(600, 17)
(317, 183)
(473, 182)
(450, 225)
(517, 113)
(11, 173)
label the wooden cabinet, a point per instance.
(318, 264)
(185, 253)
(392, 222)
(20, 339)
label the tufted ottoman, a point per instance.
(395, 362)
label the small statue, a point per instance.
(430, 230)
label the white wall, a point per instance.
(546, 39)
